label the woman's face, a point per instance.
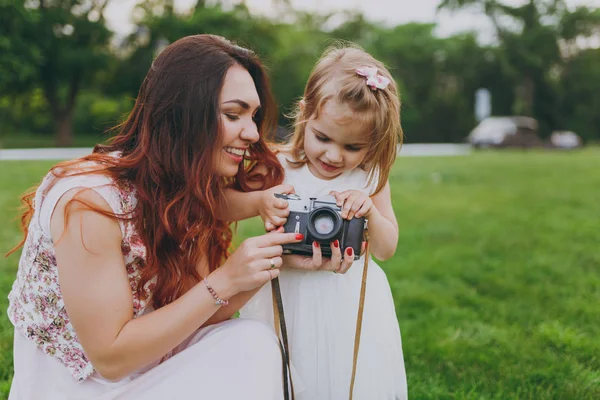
(238, 104)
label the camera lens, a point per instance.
(324, 224)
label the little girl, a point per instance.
(344, 144)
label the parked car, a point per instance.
(514, 131)
(565, 140)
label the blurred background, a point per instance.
(71, 69)
(497, 275)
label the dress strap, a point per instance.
(47, 199)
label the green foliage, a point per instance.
(97, 113)
(27, 112)
(58, 46)
(580, 89)
(437, 77)
(19, 58)
(533, 38)
(56, 56)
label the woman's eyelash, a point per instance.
(322, 138)
(232, 117)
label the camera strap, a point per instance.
(280, 328)
(359, 318)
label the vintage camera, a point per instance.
(319, 220)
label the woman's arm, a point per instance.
(383, 227)
(98, 296)
(235, 303)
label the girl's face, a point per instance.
(239, 103)
(335, 142)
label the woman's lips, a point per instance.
(238, 158)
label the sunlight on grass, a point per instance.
(496, 278)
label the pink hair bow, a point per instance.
(374, 79)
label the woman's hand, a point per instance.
(274, 211)
(354, 203)
(338, 263)
(256, 261)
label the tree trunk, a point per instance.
(528, 94)
(64, 126)
(525, 97)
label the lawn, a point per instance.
(32, 141)
(496, 278)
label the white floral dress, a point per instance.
(50, 363)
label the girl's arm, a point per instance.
(237, 206)
(383, 227)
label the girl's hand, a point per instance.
(257, 260)
(354, 203)
(273, 210)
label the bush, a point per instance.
(96, 112)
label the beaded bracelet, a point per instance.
(218, 301)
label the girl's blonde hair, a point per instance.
(334, 77)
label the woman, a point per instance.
(125, 289)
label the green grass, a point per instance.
(32, 141)
(496, 278)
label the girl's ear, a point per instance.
(302, 104)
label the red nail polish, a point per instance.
(349, 251)
(316, 244)
(336, 244)
(299, 236)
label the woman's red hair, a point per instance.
(166, 149)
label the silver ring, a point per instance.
(272, 263)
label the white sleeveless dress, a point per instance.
(321, 309)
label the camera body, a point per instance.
(319, 220)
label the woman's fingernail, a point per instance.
(349, 251)
(336, 244)
(299, 236)
(316, 244)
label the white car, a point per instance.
(565, 140)
(492, 131)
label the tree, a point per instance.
(580, 94)
(57, 45)
(281, 46)
(530, 37)
(437, 79)
(17, 64)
